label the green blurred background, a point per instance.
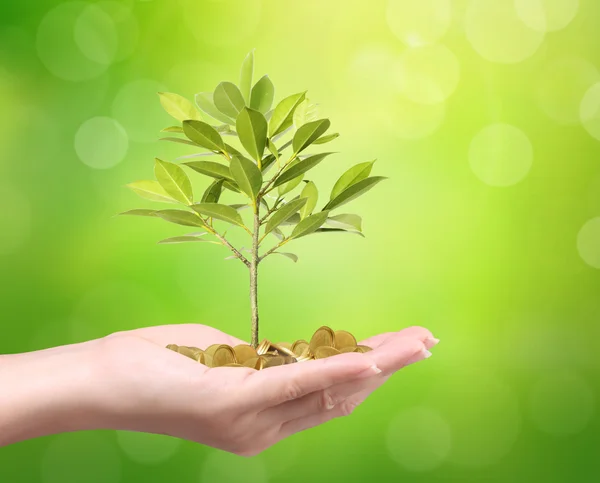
(485, 114)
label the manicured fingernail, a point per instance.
(426, 354)
(432, 341)
(371, 371)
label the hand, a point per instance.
(130, 381)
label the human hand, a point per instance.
(130, 381)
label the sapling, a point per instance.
(264, 155)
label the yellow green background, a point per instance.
(485, 115)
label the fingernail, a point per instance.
(426, 354)
(371, 371)
(432, 341)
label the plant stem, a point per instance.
(254, 260)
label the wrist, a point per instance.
(47, 392)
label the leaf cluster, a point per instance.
(261, 151)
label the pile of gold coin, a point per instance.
(325, 342)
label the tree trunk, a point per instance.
(254, 277)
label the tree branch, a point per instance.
(279, 245)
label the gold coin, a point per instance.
(254, 363)
(299, 346)
(274, 361)
(233, 364)
(224, 355)
(186, 351)
(243, 352)
(211, 349)
(289, 359)
(282, 349)
(325, 351)
(207, 360)
(263, 347)
(344, 350)
(173, 347)
(305, 356)
(344, 338)
(363, 348)
(324, 336)
(287, 345)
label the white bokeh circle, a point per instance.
(79, 457)
(222, 466)
(501, 155)
(137, 108)
(482, 412)
(101, 143)
(547, 15)
(427, 74)
(63, 33)
(419, 22)
(588, 243)
(145, 448)
(561, 87)
(497, 34)
(589, 111)
(419, 439)
(15, 219)
(562, 403)
(126, 24)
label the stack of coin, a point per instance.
(324, 343)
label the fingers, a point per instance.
(277, 385)
(393, 355)
(195, 335)
(415, 332)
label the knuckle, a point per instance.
(326, 400)
(347, 407)
(292, 391)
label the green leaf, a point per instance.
(327, 138)
(290, 185)
(283, 114)
(309, 133)
(178, 107)
(232, 151)
(246, 76)
(346, 222)
(293, 220)
(247, 176)
(177, 129)
(139, 213)
(272, 148)
(284, 213)
(340, 230)
(311, 194)
(184, 239)
(309, 224)
(240, 206)
(305, 112)
(179, 140)
(277, 233)
(210, 168)
(261, 98)
(151, 190)
(299, 168)
(174, 181)
(213, 192)
(204, 135)
(353, 192)
(353, 175)
(252, 127)
(228, 99)
(205, 102)
(291, 256)
(220, 212)
(180, 217)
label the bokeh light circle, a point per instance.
(101, 143)
(497, 34)
(482, 412)
(230, 22)
(79, 457)
(428, 74)
(588, 243)
(15, 219)
(500, 155)
(562, 403)
(366, 67)
(419, 23)
(137, 107)
(126, 24)
(76, 41)
(419, 439)
(405, 119)
(221, 466)
(147, 448)
(589, 111)
(561, 87)
(547, 15)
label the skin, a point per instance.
(129, 381)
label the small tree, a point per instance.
(269, 178)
